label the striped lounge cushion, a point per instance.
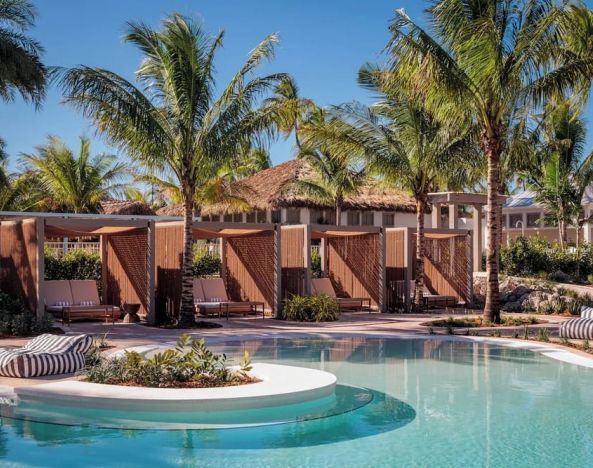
(580, 329)
(45, 355)
(587, 312)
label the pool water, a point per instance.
(434, 403)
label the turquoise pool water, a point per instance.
(435, 403)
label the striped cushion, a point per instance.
(59, 343)
(587, 312)
(23, 363)
(580, 329)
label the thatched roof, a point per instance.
(173, 210)
(264, 191)
(126, 207)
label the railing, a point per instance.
(61, 248)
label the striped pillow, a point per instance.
(579, 329)
(62, 303)
(87, 303)
(23, 363)
(587, 312)
(47, 343)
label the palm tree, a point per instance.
(486, 60)
(565, 171)
(403, 144)
(21, 70)
(290, 109)
(332, 179)
(21, 192)
(173, 121)
(75, 183)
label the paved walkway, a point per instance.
(122, 335)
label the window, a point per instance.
(262, 217)
(228, 218)
(317, 216)
(353, 218)
(251, 217)
(329, 217)
(238, 218)
(293, 216)
(533, 220)
(368, 218)
(388, 219)
(206, 218)
(514, 219)
(276, 216)
(215, 218)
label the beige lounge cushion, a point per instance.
(214, 289)
(84, 292)
(323, 286)
(57, 293)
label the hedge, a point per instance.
(17, 320)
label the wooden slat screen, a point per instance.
(294, 273)
(127, 269)
(250, 268)
(395, 271)
(168, 255)
(18, 260)
(354, 266)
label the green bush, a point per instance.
(536, 257)
(315, 264)
(319, 308)
(17, 320)
(205, 263)
(189, 364)
(75, 264)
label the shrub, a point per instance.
(17, 320)
(320, 308)
(189, 364)
(205, 263)
(75, 264)
(315, 264)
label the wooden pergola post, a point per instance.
(383, 271)
(151, 269)
(409, 265)
(40, 265)
(307, 257)
(278, 271)
(477, 237)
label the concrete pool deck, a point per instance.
(122, 335)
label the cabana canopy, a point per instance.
(249, 261)
(127, 254)
(351, 256)
(447, 264)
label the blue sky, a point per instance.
(323, 44)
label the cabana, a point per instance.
(127, 254)
(352, 257)
(447, 265)
(250, 262)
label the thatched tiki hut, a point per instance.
(271, 202)
(351, 257)
(448, 266)
(250, 262)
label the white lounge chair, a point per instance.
(45, 355)
(325, 286)
(215, 293)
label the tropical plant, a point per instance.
(485, 61)
(403, 144)
(21, 69)
(174, 122)
(317, 308)
(565, 171)
(290, 109)
(189, 364)
(75, 183)
(17, 320)
(331, 178)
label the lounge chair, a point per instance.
(433, 300)
(45, 355)
(76, 299)
(201, 304)
(325, 286)
(215, 292)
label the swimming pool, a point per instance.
(434, 402)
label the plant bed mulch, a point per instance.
(506, 321)
(197, 384)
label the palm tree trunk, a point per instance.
(492, 149)
(419, 283)
(186, 312)
(338, 214)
